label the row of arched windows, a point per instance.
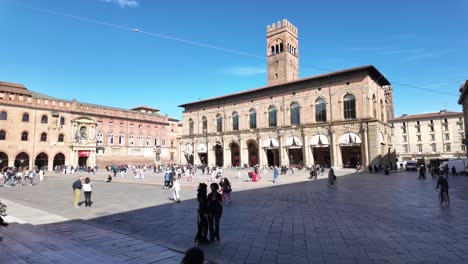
(131, 140)
(25, 136)
(25, 118)
(349, 112)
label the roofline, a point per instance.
(373, 71)
(463, 91)
(429, 115)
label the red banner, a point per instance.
(83, 153)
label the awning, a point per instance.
(293, 142)
(319, 140)
(202, 148)
(270, 143)
(84, 153)
(188, 149)
(349, 139)
(382, 140)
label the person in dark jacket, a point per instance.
(77, 191)
(215, 210)
(202, 223)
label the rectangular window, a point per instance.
(418, 130)
(447, 136)
(434, 148)
(405, 139)
(419, 138)
(446, 127)
(463, 147)
(447, 148)
(433, 137)
(163, 142)
(420, 149)
(432, 128)
(460, 127)
(158, 157)
(405, 149)
(172, 155)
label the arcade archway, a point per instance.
(350, 146)
(271, 147)
(253, 153)
(218, 149)
(42, 161)
(59, 160)
(3, 160)
(235, 154)
(22, 160)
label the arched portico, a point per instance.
(59, 160)
(320, 145)
(235, 154)
(350, 147)
(188, 153)
(218, 150)
(252, 148)
(41, 161)
(3, 160)
(22, 160)
(294, 149)
(271, 147)
(202, 151)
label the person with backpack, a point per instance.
(77, 191)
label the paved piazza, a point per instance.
(366, 219)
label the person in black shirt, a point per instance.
(202, 234)
(215, 210)
(442, 183)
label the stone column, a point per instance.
(50, 164)
(261, 153)
(282, 159)
(226, 155)
(196, 157)
(365, 162)
(305, 149)
(210, 152)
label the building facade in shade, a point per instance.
(463, 100)
(334, 119)
(43, 131)
(429, 135)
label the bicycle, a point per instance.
(444, 198)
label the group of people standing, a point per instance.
(210, 209)
(16, 176)
(87, 187)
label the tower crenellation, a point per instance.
(282, 52)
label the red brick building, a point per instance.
(40, 130)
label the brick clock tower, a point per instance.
(282, 52)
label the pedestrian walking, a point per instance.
(167, 179)
(275, 175)
(215, 210)
(239, 176)
(227, 191)
(202, 215)
(77, 191)
(176, 190)
(41, 175)
(87, 189)
(454, 171)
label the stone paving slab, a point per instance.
(367, 218)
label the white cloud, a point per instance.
(245, 71)
(123, 3)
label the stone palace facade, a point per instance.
(335, 119)
(43, 131)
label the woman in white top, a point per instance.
(87, 189)
(176, 189)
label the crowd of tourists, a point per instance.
(12, 176)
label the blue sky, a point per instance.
(421, 43)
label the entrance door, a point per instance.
(296, 156)
(42, 161)
(219, 155)
(272, 157)
(235, 154)
(203, 158)
(351, 155)
(83, 161)
(321, 156)
(253, 154)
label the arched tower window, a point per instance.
(44, 119)
(2, 135)
(205, 125)
(122, 139)
(374, 106)
(235, 121)
(43, 137)
(320, 110)
(382, 111)
(190, 122)
(25, 117)
(110, 139)
(295, 114)
(99, 138)
(272, 116)
(24, 136)
(349, 106)
(219, 123)
(3, 115)
(62, 121)
(253, 119)
(60, 138)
